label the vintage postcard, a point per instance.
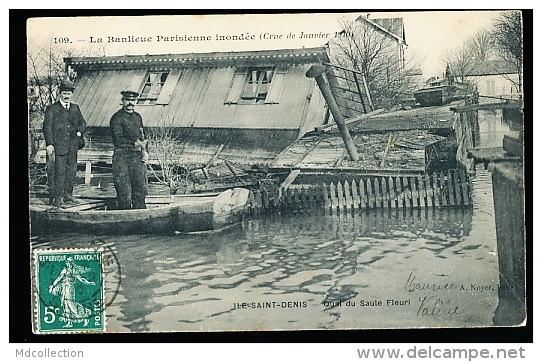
(315, 171)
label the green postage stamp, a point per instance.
(69, 291)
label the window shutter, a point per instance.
(169, 86)
(137, 80)
(236, 86)
(276, 85)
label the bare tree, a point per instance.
(461, 61)
(507, 38)
(166, 148)
(480, 45)
(378, 57)
(45, 70)
(465, 58)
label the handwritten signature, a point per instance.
(431, 307)
(412, 284)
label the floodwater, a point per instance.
(377, 269)
(493, 128)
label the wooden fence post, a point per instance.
(347, 196)
(340, 196)
(423, 192)
(393, 193)
(355, 196)
(370, 194)
(362, 193)
(451, 197)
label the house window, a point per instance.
(153, 85)
(256, 85)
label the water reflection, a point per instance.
(493, 128)
(300, 271)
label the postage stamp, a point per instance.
(69, 293)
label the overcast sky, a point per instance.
(429, 35)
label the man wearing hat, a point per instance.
(63, 128)
(129, 158)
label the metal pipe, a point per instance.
(316, 72)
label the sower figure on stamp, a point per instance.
(64, 286)
(63, 128)
(130, 156)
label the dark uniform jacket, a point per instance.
(126, 129)
(60, 127)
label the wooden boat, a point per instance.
(164, 214)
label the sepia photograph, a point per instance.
(276, 172)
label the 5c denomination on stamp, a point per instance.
(69, 291)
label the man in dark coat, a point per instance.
(129, 158)
(63, 128)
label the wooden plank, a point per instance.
(486, 106)
(311, 198)
(352, 122)
(464, 188)
(289, 179)
(84, 206)
(347, 197)
(469, 184)
(385, 193)
(370, 194)
(443, 197)
(333, 197)
(265, 199)
(297, 202)
(363, 196)
(400, 193)
(251, 202)
(436, 190)
(415, 192)
(367, 93)
(293, 199)
(428, 190)
(378, 193)
(230, 167)
(258, 201)
(277, 198)
(486, 155)
(382, 162)
(340, 196)
(88, 172)
(355, 196)
(306, 195)
(210, 163)
(457, 187)
(423, 191)
(449, 183)
(360, 93)
(341, 158)
(326, 196)
(393, 194)
(169, 86)
(406, 191)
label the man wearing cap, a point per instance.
(129, 163)
(63, 128)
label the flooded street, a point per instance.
(377, 269)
